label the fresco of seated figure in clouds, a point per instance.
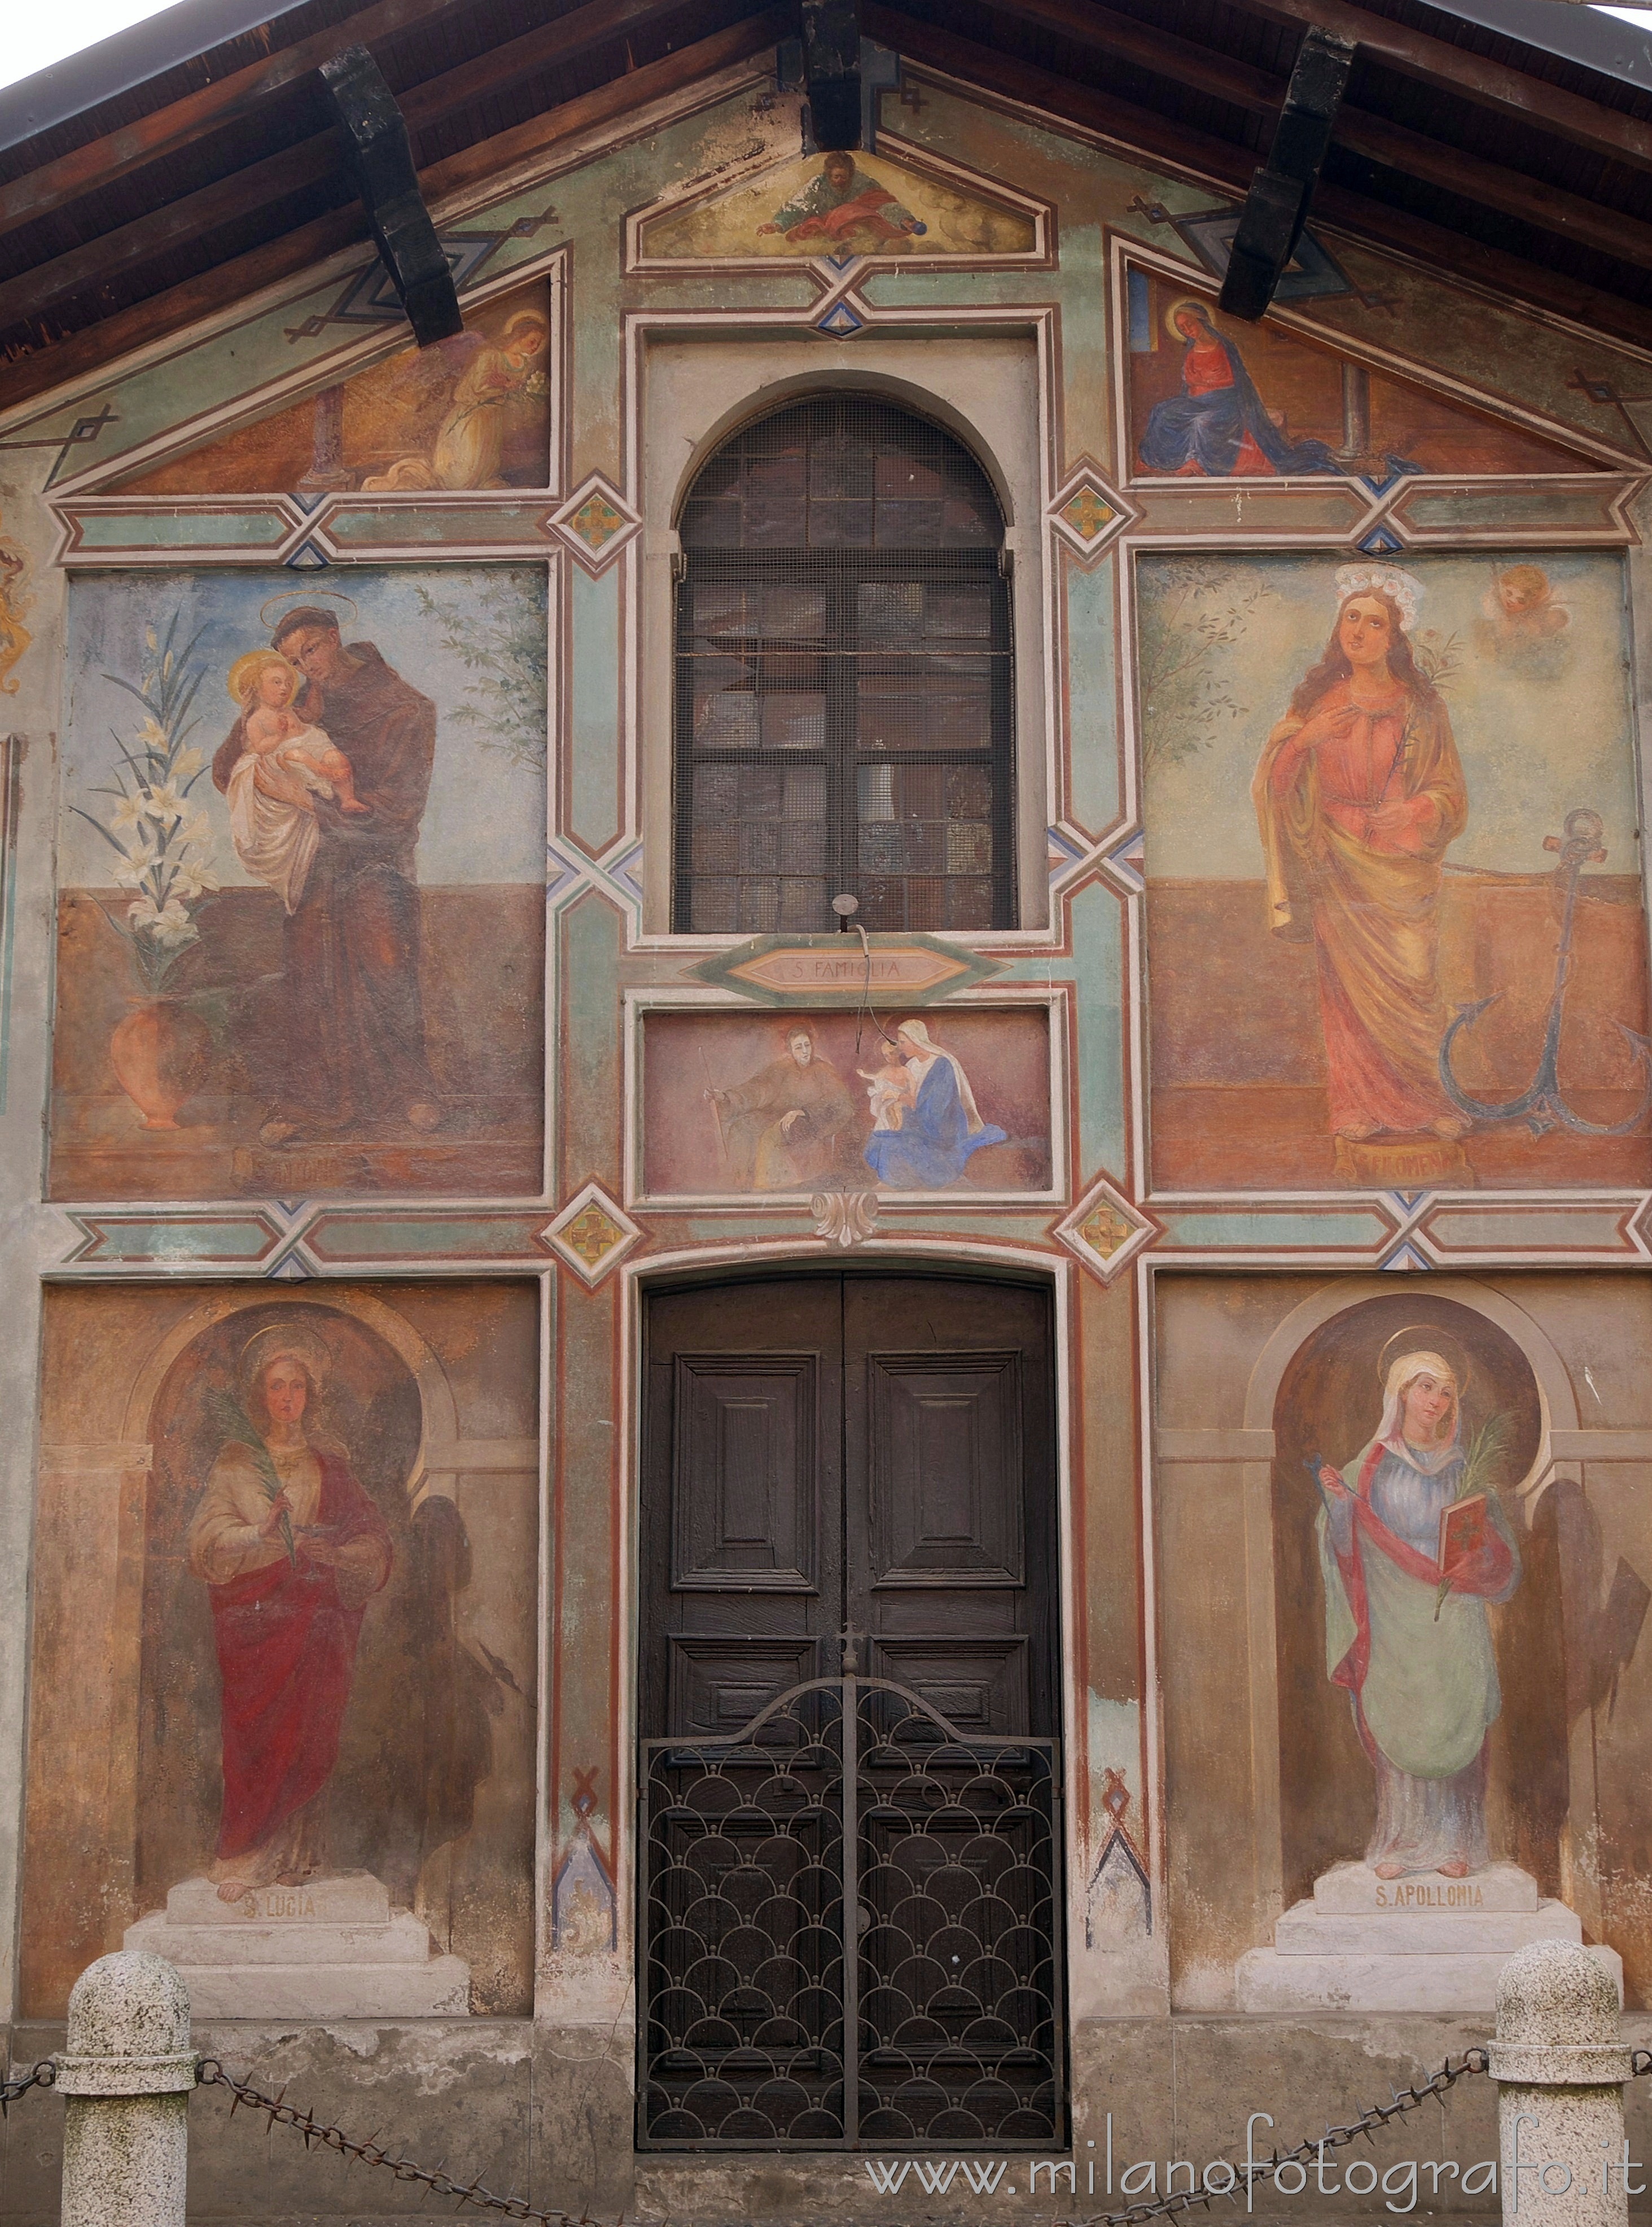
(841, 204)
(301, 920)
(1377, 795)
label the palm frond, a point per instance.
(230, 1420)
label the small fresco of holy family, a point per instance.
(795, 1122)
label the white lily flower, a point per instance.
(128, 875)
(195, 877)
(154, 737)
(196, 829)
(174, 926)
(188, 760)
(163, 802)
(128, 814)
(168, 924)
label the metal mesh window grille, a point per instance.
(845, 680)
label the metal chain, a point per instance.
(211, 2074)
(1334, 2138)
(44, 2074)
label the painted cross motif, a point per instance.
(1087, 513)
(596, 521)
(593, 1234)
(1106, 1230)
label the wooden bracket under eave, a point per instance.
(381, 159)
(1276, 208)
(831, 72)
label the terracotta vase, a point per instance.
(160, 1054)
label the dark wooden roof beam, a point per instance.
(262, 185)
(1547, 208)
(1276, 208)
(1469, 76)
(381, 160)
(299, 250)
(152, 138)
(1183, 148)
(35, 292)
(554, 45)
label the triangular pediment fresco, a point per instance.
(472, 412)
(1211, 397)
(840, 207)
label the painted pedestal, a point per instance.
(330, 1949)
(1423, 1943)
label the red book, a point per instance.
(1462, 1532)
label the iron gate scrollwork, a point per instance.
(851, 1930)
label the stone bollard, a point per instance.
(1560, 2064)
(126, 2073)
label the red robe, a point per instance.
(286, 1656)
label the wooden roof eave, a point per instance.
(85, 353)
(1161, 139)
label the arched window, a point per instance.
(844, 705)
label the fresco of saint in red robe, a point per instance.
(291, 1548)
(1358, 795)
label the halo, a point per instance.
(277, 1338)
(297, 596)
(1187, 301)
(255, 662)
(1427, 1337)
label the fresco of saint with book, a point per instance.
(1404, 1436)
(301, 865)
(1381, 948)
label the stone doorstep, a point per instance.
(401, 1940)
(1306, 1930)
(439, 1987)
(1354, 1890)
(1266, 1980)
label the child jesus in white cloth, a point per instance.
(285, 764)
(890, 1090)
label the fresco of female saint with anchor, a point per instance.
(1409, 990)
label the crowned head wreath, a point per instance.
(1403, 589)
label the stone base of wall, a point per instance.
(545, 2112)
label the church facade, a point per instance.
(827, 1151)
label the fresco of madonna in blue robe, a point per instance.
(927, 1131)
(1217, 426)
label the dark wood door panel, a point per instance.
(744, 1458)
(741, 1520)
(833, 1954)
(865, 1451)
(715, 1685)
(943, 1469)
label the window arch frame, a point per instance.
(893, 896)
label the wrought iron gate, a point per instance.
(850, 1930)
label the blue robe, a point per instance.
(932, 1144)
(1208, 429)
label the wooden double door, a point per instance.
(851, 1897)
